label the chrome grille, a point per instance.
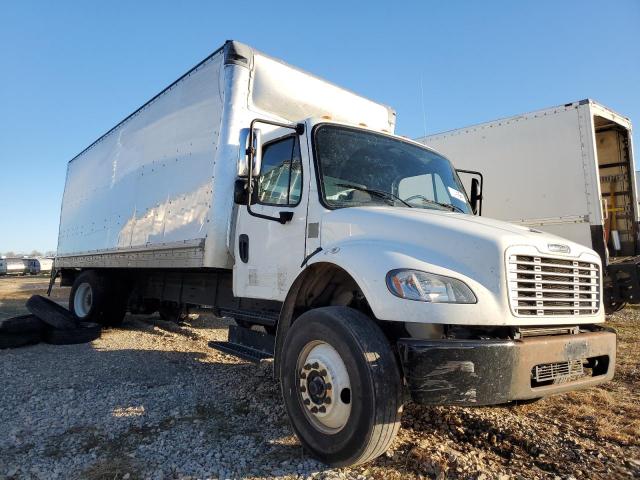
(558, 371)
(543, 286)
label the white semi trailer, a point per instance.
(278, 199)
(567, 170)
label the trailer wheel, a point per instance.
(341, 385)
(94, 299)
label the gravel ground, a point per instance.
(152, 400)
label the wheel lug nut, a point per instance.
(303, 388)
(307, 367)
(307, 401)
(328, 386)
(327, 400)
(303, 375)
(323, 372)
(315, 365)
(314, 410)
(322, 410)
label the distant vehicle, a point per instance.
(45, 264)
(3, 266)
(279, 199)
(32, 265)
(567, 170)
(20, 266)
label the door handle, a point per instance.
(243, 247)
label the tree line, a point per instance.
(34, 253)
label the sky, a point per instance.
(69, 71)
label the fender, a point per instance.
(367, 263)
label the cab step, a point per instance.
(247, 344)
(240, 351)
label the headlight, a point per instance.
(428, 287)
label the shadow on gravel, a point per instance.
(149, 324)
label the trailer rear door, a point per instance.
(617, 184)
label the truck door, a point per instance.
(268, 254)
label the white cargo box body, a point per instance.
(566, 170)
(157, 189)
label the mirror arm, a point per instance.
(479, 174)
(284, 216)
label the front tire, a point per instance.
(341, 385)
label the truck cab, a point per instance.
(477, 311)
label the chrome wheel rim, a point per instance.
(324, 388)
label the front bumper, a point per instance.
(489, 372)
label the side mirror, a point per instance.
(477, 183)
(476, 196)
(243, 152)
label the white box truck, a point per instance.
(566, 170)
(278, 199)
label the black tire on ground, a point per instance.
(15, 340)
(610, 308)
(51, 313)
(86, 332)
(376, 387)
(22, 324)
(108, 305)
(172, 312)
(271, 330)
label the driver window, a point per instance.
(280, 173)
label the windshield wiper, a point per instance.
(379, 193)
(450, 206)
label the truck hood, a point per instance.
(463, 244)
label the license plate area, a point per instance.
(558, 372)
(568, 371)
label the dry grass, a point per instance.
(610, 412)
(14, 291)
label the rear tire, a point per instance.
(96, 298)
(340, 354)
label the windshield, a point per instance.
(358, 168)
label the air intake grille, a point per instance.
(558, 371)
(541, 286)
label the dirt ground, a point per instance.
(152, 400)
